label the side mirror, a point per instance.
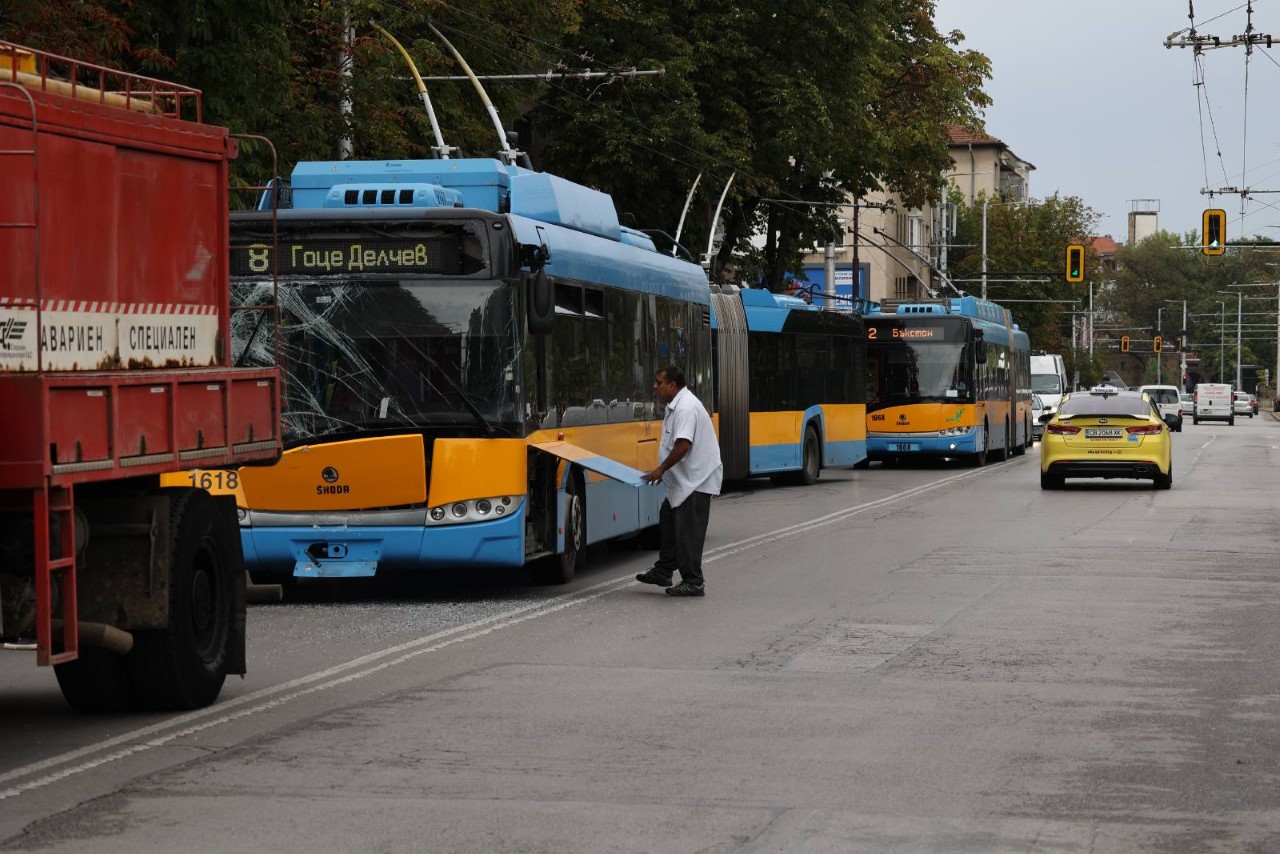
(540, 302)
(980, 351)
(1171, 420)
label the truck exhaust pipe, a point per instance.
(102, 636)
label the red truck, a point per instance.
(115, 368)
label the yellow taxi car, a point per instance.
(1106, 432)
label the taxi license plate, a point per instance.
(1103, 432)
(904, 446)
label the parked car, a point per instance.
(1107, 433)
(1240, 403)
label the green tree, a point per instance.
(805, 102)
(1026, 253)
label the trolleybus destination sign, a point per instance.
(349, 255)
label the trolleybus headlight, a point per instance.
(473, 510)
(242, 516)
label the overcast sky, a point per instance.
(1087, 91)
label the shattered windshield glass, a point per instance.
(365, 356)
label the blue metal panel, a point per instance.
(554, 200)
(766, 459)
(587, 258)
(613, 510)
(844, 453)
(767, 311)
(285, 550)
(484, 183)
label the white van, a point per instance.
(1213, 403)
(1168, 401)
(1049, 379)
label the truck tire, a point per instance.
(184, 665)
(97, 681)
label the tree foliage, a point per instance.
(805, 102)
(1026, 248)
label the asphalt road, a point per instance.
(925, 658)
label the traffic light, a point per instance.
(1075, 262)
(1180, 341)
(1157, 344)
(1124, 343)
(1214, 236)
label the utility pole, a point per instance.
(1160, 334)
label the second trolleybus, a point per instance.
(947, 379)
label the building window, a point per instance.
(902, 288)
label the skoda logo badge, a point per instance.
(330, 474)
(902, 417)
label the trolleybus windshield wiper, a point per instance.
(470, 404)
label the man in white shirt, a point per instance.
(691, 469)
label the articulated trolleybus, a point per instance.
(470, 349)
(947, 379)
(790, 386)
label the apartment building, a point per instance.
(898, 252)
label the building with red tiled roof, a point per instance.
(984, 165)
(1105, 248)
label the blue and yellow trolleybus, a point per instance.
(790, 386)
(469, 349)
(947, 379)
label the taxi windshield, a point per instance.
(1118, 405)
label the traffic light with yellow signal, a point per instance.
(1075, 263)
(1124, 343)
(1214, 235)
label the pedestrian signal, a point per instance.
(1157, 344)
(1124, 343)
(1075, 263)
(1214, 238)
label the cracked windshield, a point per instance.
(364, 353)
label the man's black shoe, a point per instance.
(684, 588)
(650, 576)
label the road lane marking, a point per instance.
(266, 699)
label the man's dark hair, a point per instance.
(673, 374)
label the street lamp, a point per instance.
(1239, 295)
(1159, 334)
(1222, 338)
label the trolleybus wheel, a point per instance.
(979, 459)
(1020, 448)
(184, 665)
(560, 569)
(810, 466)
(97, 681)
